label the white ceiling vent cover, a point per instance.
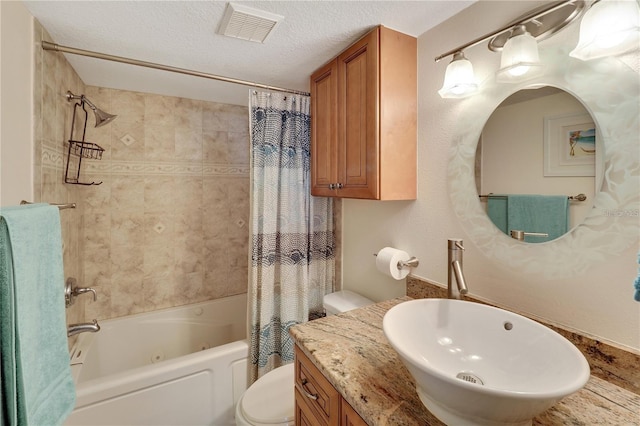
(247, 23)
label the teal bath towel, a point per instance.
(497, 211)
(538, 213)
(37, 387)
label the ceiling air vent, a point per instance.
(247, 23)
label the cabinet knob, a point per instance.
(339, 185)
(332, 186)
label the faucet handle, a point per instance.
(455, 244)
(78, 291)
(71, 291)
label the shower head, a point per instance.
(102, 117)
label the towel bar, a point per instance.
(60, 206)
(579, 197)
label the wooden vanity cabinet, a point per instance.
(317, 402)
(363, 120)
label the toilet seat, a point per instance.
(270, 400)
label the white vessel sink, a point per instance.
(478, 365)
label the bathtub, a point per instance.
(178, 366)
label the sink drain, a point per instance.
(471, 378)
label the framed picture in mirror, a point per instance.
(569, 145)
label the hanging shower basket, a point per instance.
(79, 149)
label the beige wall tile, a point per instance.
(159, 110)
(159, 142)
(159, 193)
(129, 106)
(127, 140)
(238, 148)
(215, 146)
(127, 228)
(188, 114)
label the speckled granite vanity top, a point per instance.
(352, 352)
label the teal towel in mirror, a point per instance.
(538, 213)
(636, 284)
(37, 387)
(497, 211)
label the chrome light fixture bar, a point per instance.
(517, 40)
(541, 23)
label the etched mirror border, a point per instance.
(610, 91)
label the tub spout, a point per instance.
(74, 329)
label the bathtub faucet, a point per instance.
(74, 329)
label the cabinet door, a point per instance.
(358, 157)
(324, 113)
(304, 415)
(349, 416)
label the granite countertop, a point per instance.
(350, 349)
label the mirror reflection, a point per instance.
(537, 154)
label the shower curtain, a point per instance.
(292, 257)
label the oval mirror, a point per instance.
(536, 163)
(609, 90)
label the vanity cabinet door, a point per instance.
(317, 402)
(350, 417)
(314, 394)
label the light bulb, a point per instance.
(519, 56)
(519, 70)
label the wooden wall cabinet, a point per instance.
(317, 402)
(363, 120)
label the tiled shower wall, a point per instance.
(53, 76)
(169, 224)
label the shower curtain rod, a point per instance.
(74, 51)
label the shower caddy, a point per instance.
(81, 148)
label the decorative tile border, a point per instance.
(607, 362)
(55, 159)
(51, 157)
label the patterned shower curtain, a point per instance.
(292, 258)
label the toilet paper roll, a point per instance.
(387, 262)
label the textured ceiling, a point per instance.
(184, 34)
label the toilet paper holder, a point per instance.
(411, 263)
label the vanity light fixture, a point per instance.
(609, 27)
(459, 79)
(518, 43)
(520, 59)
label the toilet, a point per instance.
(270, 400)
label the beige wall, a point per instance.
(598, 302)
(16, 177)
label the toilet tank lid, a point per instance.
(344, 300)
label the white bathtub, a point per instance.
(179, 366)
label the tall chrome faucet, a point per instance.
(455, 270)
